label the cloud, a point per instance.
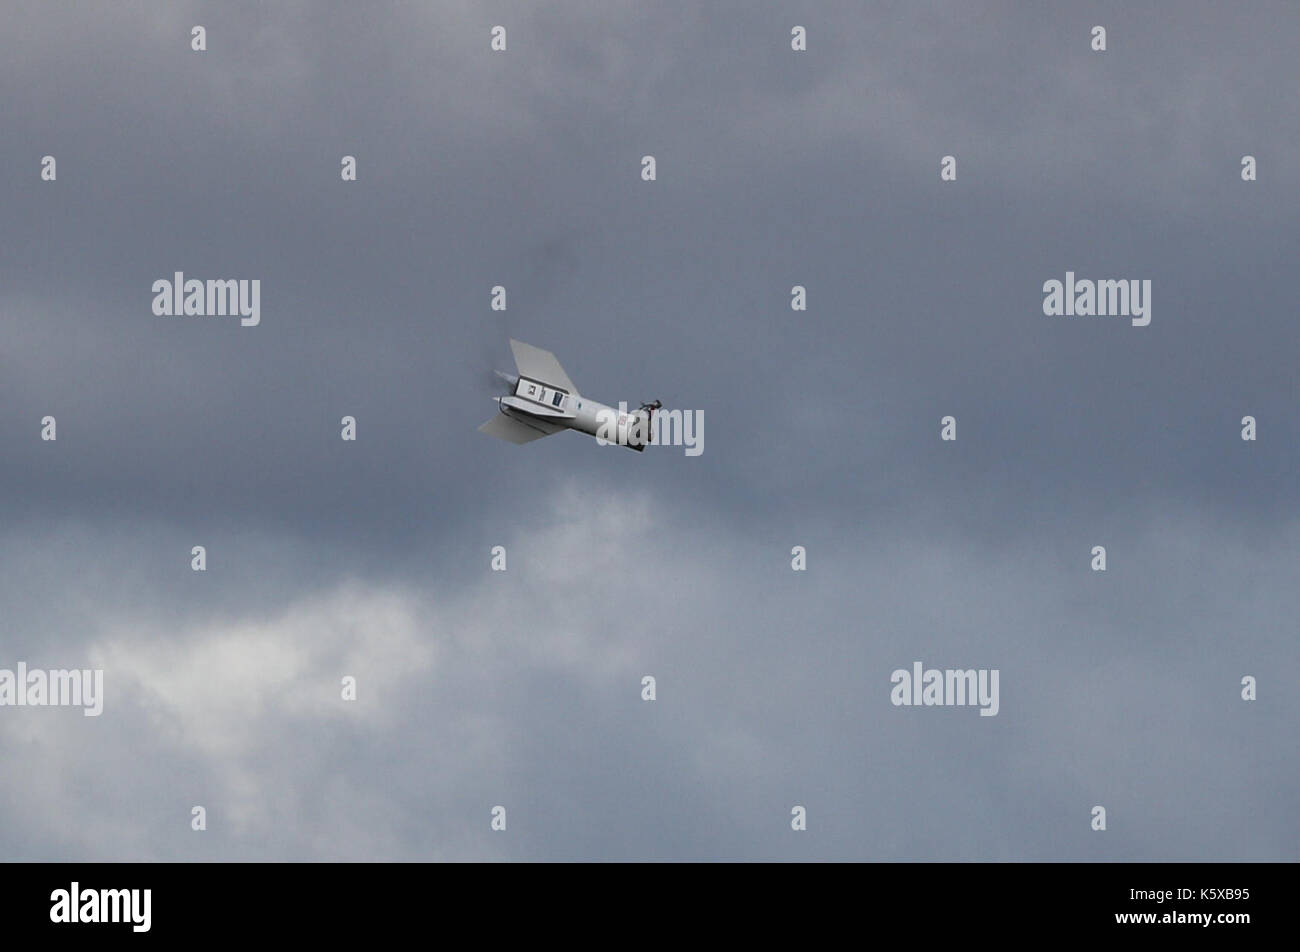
(523, 688)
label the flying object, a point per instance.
(543, 400)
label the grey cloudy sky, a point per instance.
(821, 429)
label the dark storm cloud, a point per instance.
(821, 428)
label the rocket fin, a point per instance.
(513, 431)
(540, 365)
